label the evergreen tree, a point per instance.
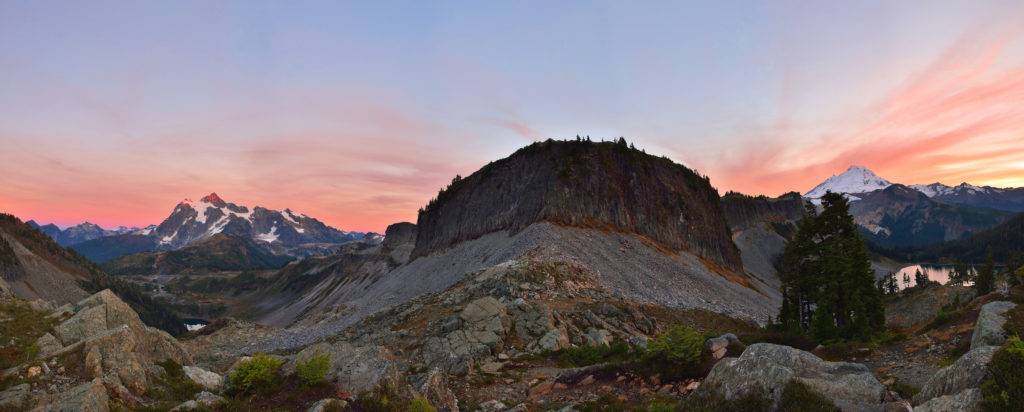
(986, 276)
(906, 281)
(828, 283)
(921, 278)
(889, 284)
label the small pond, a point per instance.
(195, 324)
(936, 273)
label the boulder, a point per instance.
(966, 373)
(764, 370)
(551, 341)
(15, 398)
(208, 380)
(988, 331)
(492, 406)
(327, 405)
(203, 401)
(87, 397)
(717, 347)
(353, 368)
(968, 400)
(598, 337)
(48, 345)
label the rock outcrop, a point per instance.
(964, 374)
(988, 331)
(743, 211)
(101, 342)
(968, 400)
(765, 369)
(578, 183)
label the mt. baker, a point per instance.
(283, 232)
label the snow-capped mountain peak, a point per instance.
(856, 179)
(192, 221)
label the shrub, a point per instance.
(590, 355)
(711, 401)
(679, 347)
(1015, 321)
(798, 397)
(421, 404)
(174, 386)
(1003, 389)
(259, 373)
(313, 371)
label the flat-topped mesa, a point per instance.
(607, 186)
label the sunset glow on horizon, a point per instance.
(356, 114)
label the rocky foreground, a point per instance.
(519, 336)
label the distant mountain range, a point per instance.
(85, 231)
(281, 232)
(859, 179)
(894, 215)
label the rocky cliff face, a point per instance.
(582, 184)
(744, 211)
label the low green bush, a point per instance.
(1015, 321)
(1003, 389)
(174, 386)
(797, 397)
(421, 404)
(314, 371)
(578, 356)
(679, 347)
(257, 374)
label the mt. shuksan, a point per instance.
(283, 231)
(856, 179)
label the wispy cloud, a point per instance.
(960, 118)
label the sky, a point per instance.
(358, 112)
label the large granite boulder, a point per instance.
(765, 369)
(14, 398)
(988, 331)
(966, 373)
(88, 397)
(968, 400)
(353, 368)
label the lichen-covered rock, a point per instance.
(764, 370)
(328, 404)
(968, 400)
(966, 373)
(48, 345)
(15, 397)
(208, 380)
(484, 323)
(87, 397)
(598, 337)
(353, 368)
(434, 386)
(988, 330)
